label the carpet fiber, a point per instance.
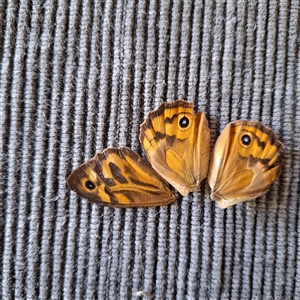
(77, 77)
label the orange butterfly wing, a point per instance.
(246, 159)
(177, 143)
(119, 177)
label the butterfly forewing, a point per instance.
(119, 177)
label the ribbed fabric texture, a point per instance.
(79, 76)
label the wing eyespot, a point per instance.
(90, 185)
(246, 140)
(184, 123)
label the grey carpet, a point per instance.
(79, 76)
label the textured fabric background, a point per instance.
(79, 76)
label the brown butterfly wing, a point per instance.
(245, 161)
(121, 178)
(177, 143)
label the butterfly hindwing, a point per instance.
(246, 159)
(177, 143)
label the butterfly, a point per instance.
(245, 161)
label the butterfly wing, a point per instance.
(246, 159)
(177, 143)
(119, 177)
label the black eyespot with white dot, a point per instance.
(246, 139)
(184, 122)
(90, 185)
